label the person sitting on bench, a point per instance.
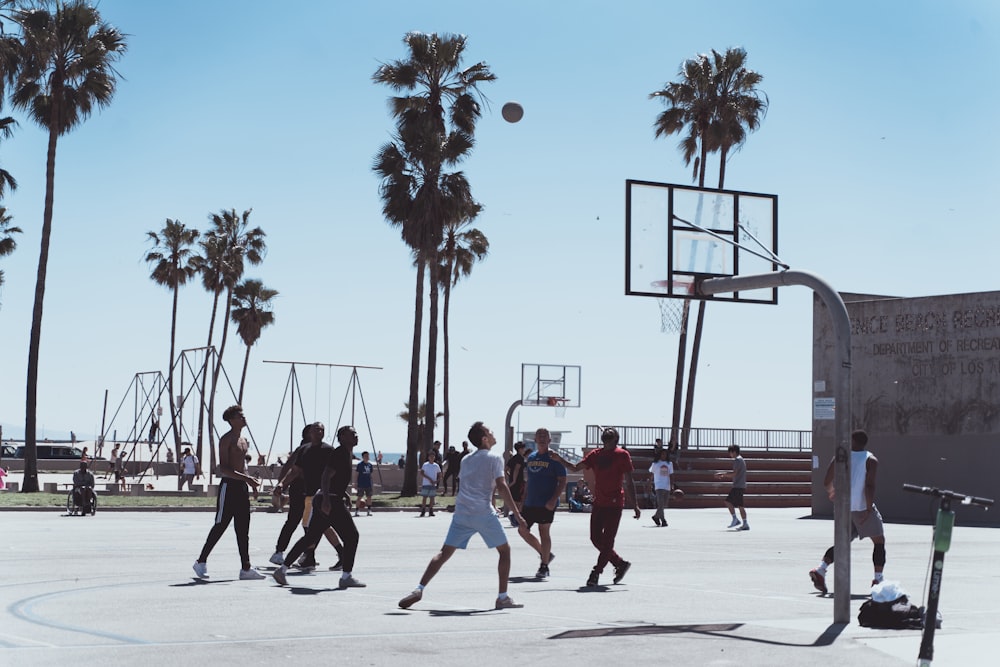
(83, 488)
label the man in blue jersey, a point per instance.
(364, 484)
(546, 481)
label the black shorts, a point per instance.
(539, 515)
(517, 492)
(735, 497)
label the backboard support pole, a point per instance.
(842, 412)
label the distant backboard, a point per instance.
(677, 234)
(550, 385)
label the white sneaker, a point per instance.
(201, 570)
(735, 522)
(351, 582)
(250, 574)
(279, 575)
(278, 558)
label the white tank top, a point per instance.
(859, 472)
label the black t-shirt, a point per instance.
(312, 459)
(515, 461)
(340, 460)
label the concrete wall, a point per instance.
(926, 388)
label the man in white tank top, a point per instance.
(865, 518)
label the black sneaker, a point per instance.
(543, 572)
(621, 570)
(592, 579)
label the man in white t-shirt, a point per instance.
(661, 469)
(189, 468)
(430, 475)
(481, 473)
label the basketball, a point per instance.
(512, 112)
(678, 494)
(362, 504)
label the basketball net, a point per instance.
(671, 315)
(559, 404)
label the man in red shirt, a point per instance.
(611, 466)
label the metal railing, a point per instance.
(709, 438)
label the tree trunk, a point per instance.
(204, 380)
(432, 340)
(215, 381)
(444, 320)
(413, 423)
(170, 377)
(722, 165)
(675, 422)
(29, 483)
(243, 377)
(692, 376)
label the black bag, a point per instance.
(898, 614)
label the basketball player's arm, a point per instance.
(508, 500)
(560, 487)
(630, 493)
(871, 468)
(575, 467)
(828, 481)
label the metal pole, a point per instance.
(842, 412)
(508, 431)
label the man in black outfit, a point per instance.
(330, 506)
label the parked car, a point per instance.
(52, 452)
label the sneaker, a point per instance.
(543, 572)
(421, 512)
(411, 599)
(621, 570)
(279, 575)
(369, 512)
(592, 579)
(819, 581)
(430, 514)
(200, 570)
(663, 523)
(336, 567)
(351, 582)
(250, 574)
(735, 522)
(278, 558)
(507, 603)
(745, 526)
(656, 520)
(307, 563)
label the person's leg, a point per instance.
(241, 524)
(878, 556)
(222, 518)
(661, 504)
(341, 521)
(439, 559)
(545, 538)
(296, 506)
(503, 568)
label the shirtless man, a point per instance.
(233, 502)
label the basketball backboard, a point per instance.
(676, 235)
(550, 385)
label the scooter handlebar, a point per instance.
(943, 493)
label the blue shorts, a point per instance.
(429, 491)
(464, 526)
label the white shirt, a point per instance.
(190, 462)
(431, 470)
(662, 470)
(477, 479)
(859, 473)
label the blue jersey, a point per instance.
(364, 475)
(543, 474)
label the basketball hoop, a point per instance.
(672, 307)
(559, 404)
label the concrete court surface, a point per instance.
(118, 589)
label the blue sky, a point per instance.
(879, 142)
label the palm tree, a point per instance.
(173, 265)
(460, 251)
(7, 181)
(739, 109)
(64, 68)
(232, 244)
(715, 100)
(251, 303)
(7, 242)
(740, 106)
(435, 125)
(421, 417)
